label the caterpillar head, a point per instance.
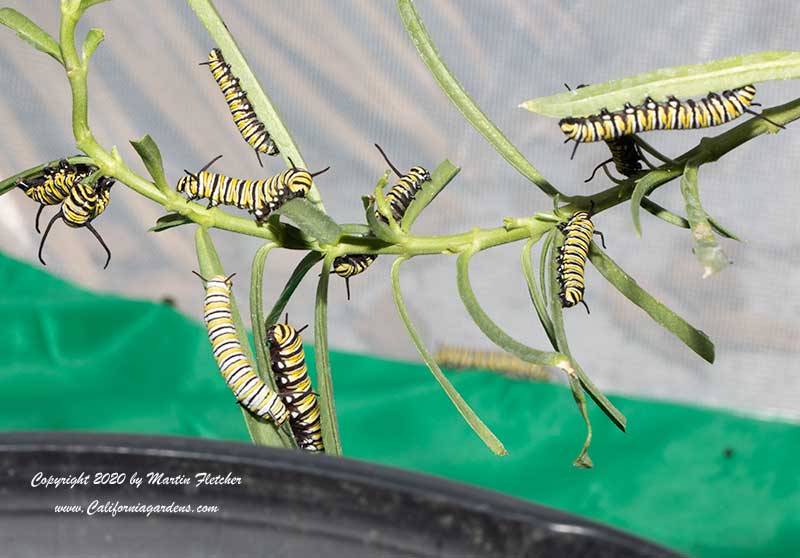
(298, 182)
(280, 334)
(420, 174)
(571, 127)
(218, 281)
(104, 183)
(187, 185)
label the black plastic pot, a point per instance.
(287, 504)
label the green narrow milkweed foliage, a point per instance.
(304, 224)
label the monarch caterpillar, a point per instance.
(260, 197)
(83, 204)
(402, 194)
(250, 391)
(496, 361)
(712, 110)
(250, 127)
(352, 264)
(399, 198)
(574, 251)
(54, 185)
(289, 367)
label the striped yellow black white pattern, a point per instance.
(253, 130)
(259, 197)
(83, 204)
(352, 264)
(399, 198)
(54, 184)
(712, 110)
(291, 374)
(574, 251)
(250, 391)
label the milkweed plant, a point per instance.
(303, 223)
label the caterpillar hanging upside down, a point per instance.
(572, 256)
(288, 363)
(259, 197)
(714, 109)
(54, 184)
(251, 392)
(81, 202)
(252, 130)
(399, 198)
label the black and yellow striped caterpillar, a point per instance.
(291, 374)
(572, 256)
(402, 194)
(250, 391)
(399, 197)
(351, 264)
(259, 197)
(495, 361)
(54, 184)
(83, 204)
(253, 130)
(673, 114)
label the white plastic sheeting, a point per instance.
(344, 75)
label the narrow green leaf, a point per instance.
(582, 460)
(705, 248)
(309, 261)
(151, 157)
(544, 265)
(667, 216)
(257, 312)
(169, 221)
(263, 364)
(330, 423)
(93, 39)
(311, 220)
(31, 33)
(681, 81)
(664, 214)
(537, 297)
(558, 327)
(219, 33)
(263, 433)
(477, 425)
(722, 231)
(440, 178)
(355, 229)
(381, 229)
(463, 102)
(669, 320)
(492, 330)
(644, 186)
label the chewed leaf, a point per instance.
(706, 248)
(684, 82)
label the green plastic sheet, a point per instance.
(708, 483)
